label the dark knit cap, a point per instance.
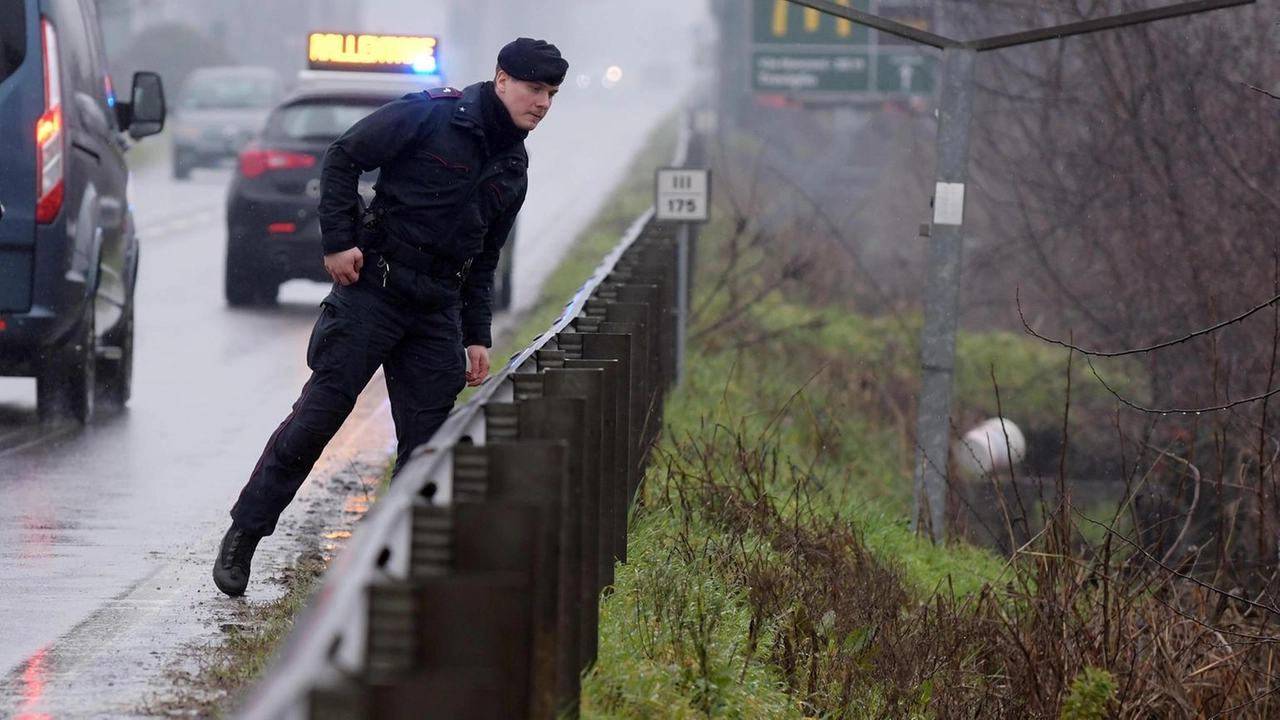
(533, 61)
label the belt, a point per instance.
(431, 265)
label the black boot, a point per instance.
(231, 570)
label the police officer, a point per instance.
(413, 274)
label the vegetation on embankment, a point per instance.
(772, 571)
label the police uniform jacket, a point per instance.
(440, 189)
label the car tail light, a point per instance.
(256, 161)
(50, 134)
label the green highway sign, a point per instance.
(810, 72)
(905, 72)
(806, 53)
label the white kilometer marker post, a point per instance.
(682, 195)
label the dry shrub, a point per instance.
(852, 639)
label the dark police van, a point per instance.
(68, 250)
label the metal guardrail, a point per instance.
(471, 588)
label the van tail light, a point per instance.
(50, 133)
(257, 161)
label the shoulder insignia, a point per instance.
(443, 92)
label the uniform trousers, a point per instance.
(362, 326)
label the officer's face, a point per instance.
(528, 102)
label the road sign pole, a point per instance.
(682, 298)
(938, 343)
(682, 195)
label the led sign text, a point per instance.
(371, 52)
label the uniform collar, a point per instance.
(469, 113)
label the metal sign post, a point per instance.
(682, 195)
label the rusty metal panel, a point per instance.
(562, 418)
(346, 700)
(470, 474)
(586, 324)
(502, 422)
(533, 473)
(641, 417)
(643, 304)
(549, 358)
(618, 347)
(610, 468)
(431, 541)
(587, 385)
(474, 632)
(391, 645)
(527, 385)
(571, 342)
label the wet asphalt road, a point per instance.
(107, 532)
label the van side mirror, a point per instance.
(144, 114)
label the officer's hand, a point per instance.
(344, 267)
(477, 364)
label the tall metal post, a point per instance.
(938, 343)
(682, 297)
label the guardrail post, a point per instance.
(501, 422)
(391, 642)
(548, 359)
(638, 402)
(342, 701)
(588, 386)
(534, 472)
(641, 317)
(585, 324)
(618, 348)
(610, 469)
(571, 342)
(470, 474)
(563, 418)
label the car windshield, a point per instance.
(317, 120)
(230, 91)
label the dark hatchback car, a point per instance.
(68, 248)
(273, 231)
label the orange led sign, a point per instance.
(372, 53)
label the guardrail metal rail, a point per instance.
(471, 588)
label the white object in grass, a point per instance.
(989, 447)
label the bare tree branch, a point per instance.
(1138, 351)
(1182, 411)
(1173, 571)
(1264, 92)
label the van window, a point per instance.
(13, 36)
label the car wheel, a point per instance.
(65, 388)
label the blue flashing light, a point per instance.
(426, 65)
